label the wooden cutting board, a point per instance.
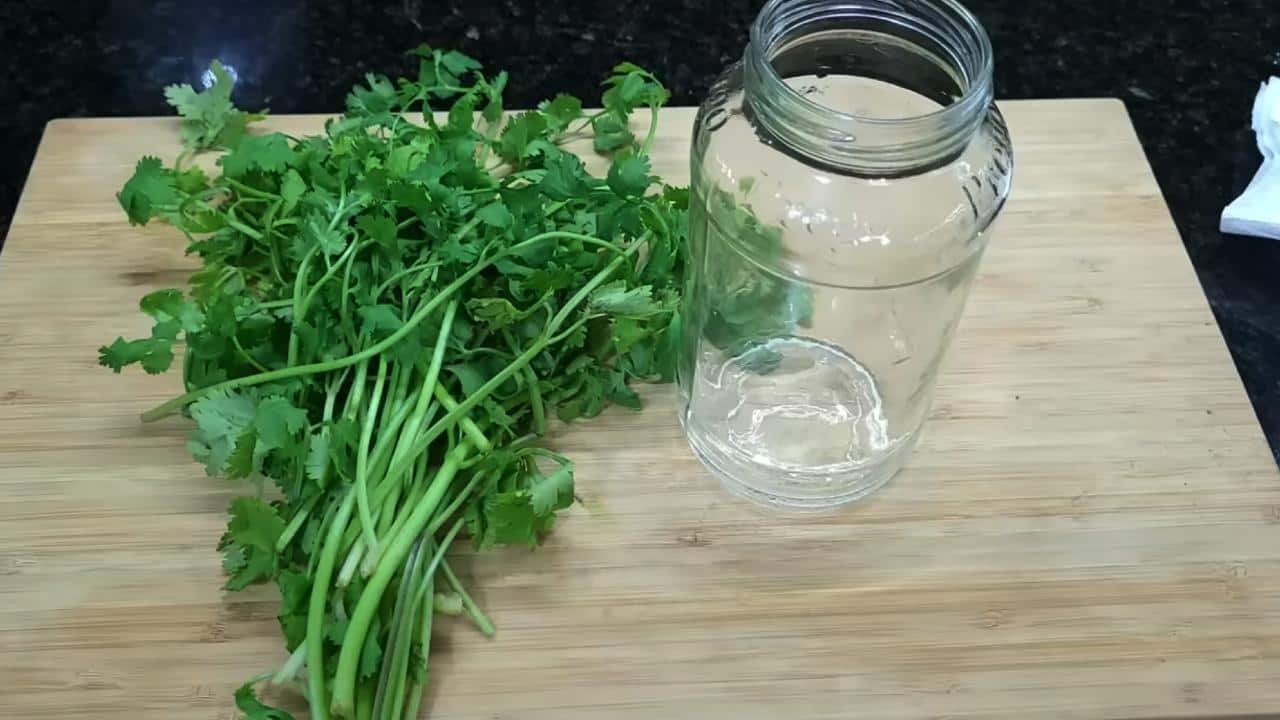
(1090, 528)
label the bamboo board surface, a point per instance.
(1089, 529)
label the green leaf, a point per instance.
(380, 228)
(455, 64)
(498, 415)
(619, 393)
(268, 153)
(370, 656)
(495, 313)
(629, 176)
(244, 458)
(379, 321)
(376, 99)
(549, 493)
(617, 299)
(209, 119)
(190, 181)
(278, 423)
(561, 111)
(461, 116)
(611, 133)
(510, 520)
(317, 463)
(493, 108)
(169, 304)
(252, 531)
(459, 251)
(566, 177)
(470, 376)
(155, 354)
(292, 188)
(495, 214)
(517, 139)
(630, 87)
(247, 702)
(317, 230)
(221, 417)
(148, 192)
(669, 348)
(295, 591)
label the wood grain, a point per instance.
(1090, 528)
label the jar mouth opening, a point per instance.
(934, 48)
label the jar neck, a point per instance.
(935, 48)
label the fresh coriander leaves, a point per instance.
(249, 544)
(151, 190)
(209, 119)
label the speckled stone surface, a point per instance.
(1188, 70)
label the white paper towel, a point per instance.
(1257, 211)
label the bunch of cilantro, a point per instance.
(385, 317)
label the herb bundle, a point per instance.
(385, 317)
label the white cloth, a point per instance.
(1257, 211)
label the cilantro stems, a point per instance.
(353, 641)
(482, 621)
(318, 606)
(362, 460)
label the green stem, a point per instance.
(535, 402)
(272, 247)
(653, 130)
(398, 547)
(427, 594)
(438, 559)
(298, 281)
(388, 512)
(401, 456)
(482, 621)
(478, 438)
(362, 459)
(416, 493)
(301, 312)
(246, 190)
(295, 524)
(347, 323)
(348, 569)
(244, 228)
(391, 678)
(364, 703)
(402, 273)
(290, 669)
(316, 609)
(588, 239)
(387, 437)
(247, 357)
(454, 504)
(491, 132)
(420, 602)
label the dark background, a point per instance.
(1187, 69)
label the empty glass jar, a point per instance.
(844, 174)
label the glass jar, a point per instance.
(844, 175)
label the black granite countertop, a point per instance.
(1188, 70)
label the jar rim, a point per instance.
(902, 140)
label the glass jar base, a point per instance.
(800, 491)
